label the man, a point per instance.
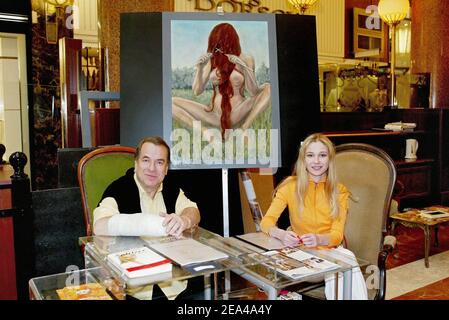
(140, 204)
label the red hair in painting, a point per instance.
(223, 39)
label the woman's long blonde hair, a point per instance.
(302, 176)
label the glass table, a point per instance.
(272, 281)
(243, 259)
(97, 248)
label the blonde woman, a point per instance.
(317, 206)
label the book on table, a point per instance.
(188, 251)
(87, 291)
(140, 262)
(433, 214)
(296, 263)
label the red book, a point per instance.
(139, 262)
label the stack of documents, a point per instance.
(400, 126)
(188, 251)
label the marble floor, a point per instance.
(407, 276)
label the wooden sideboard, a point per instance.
(419, 182)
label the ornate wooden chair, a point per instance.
(370, 175)
(96, 170)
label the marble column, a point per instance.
(429, 52)
(109, 33)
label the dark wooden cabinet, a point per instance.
(414, 182)
(418, 182)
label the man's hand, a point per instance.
(175, 224)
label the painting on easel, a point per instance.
(224, 91)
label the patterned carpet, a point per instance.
(407, 270)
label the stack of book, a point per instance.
(140, 262)
(400, 126)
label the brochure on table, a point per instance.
(296, 263)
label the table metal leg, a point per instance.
(227, 275)
(207, 287)
(336, 276)
(272, 293)
(347, 285)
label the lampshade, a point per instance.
(393, 11)
(60, 3)
(302, 5)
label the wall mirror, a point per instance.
(364, 85)
(353, 88)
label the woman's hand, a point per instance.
(310, 240)
(288, 238)
(204, 59)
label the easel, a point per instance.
(225, 192)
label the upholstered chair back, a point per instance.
(96, 170)
(369, 174)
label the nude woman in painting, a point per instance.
(237, 100)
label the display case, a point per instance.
(47, 287)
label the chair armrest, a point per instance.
(388, 246)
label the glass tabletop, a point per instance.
(273, 273)
(97, 248)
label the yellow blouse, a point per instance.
(316, 217)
